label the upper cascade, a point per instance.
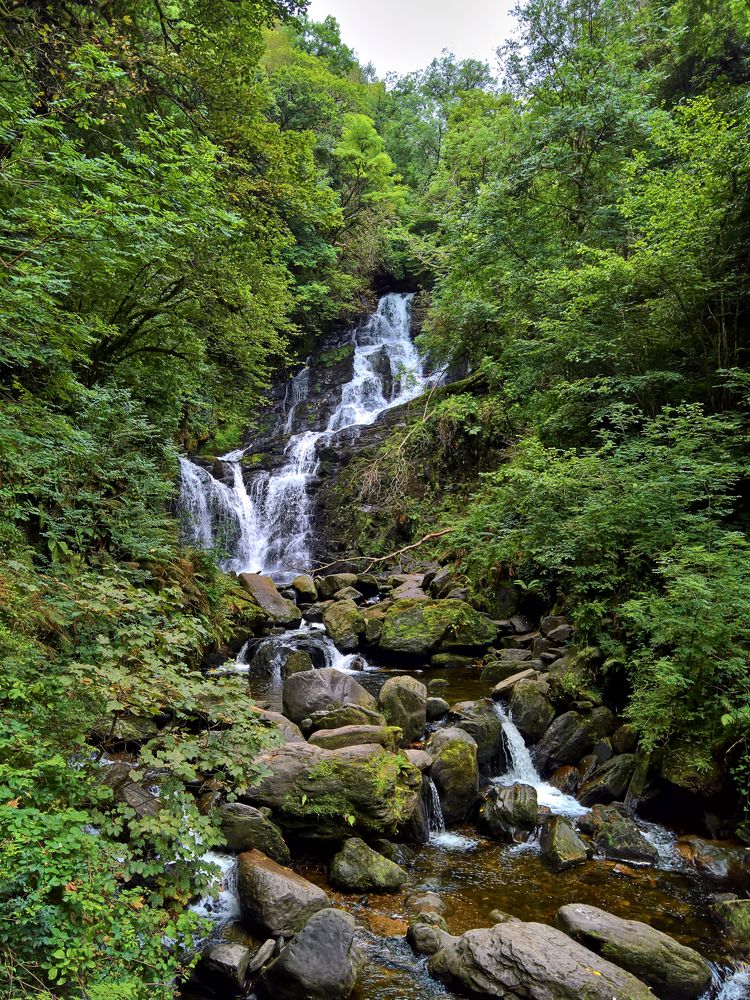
(268, 527)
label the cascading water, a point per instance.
(268, 529)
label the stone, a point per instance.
(561, 847)
(567, 779)
(436, 708)
(262, 956)
(349, 594)
(345, 625)
(625, 739)
(551, 622)
(450, 661)
(346, 715)
(419, 758)
(329, 586)
(480, 720)
(521, 624)
(264, 593)
(616, 836)
(320, 963)
(312, 791)
(672, 970)
(560, 634)
(410, 589)
(530, 708)
(422, 627)
(319, 690)
(510, 812)
(128, 728)
(349, 736)
(455, 772)
(357, 868)
(286, 730)
(403, 701)
(315, 612)
(273, 898)
(131, 793)
(367, 584)
(733, 918)
(717, 859)
(297, 662)
(609, 782)
(442, 581)
(426, 937)
(425, 901)
(305, 589)
(505, 687)
(245, 827)
(229, 962)
(570, 736)
(515, 959)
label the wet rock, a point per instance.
(419, 758)
(416, 828)
(349, 594)
(345, 624)
(609, 782)
(264, 593)
(427, 938)
(346, 715)
(673, 971)
(533, 961)
(451, 661)
(510, 812)
(367, 584)
(320, 963)
(436, 708)
(312, 791)
(505, 687)
(131, 793)
(373, 627)
(421, 627)
(425, 901)
(329, 586)
(315, 612)
(567, 779)
(275, 898)
(561, 846)
(480, 720)
(733, 918)
(571, 736)
(455, 772)
(403, 701)
(305, 589)
(245, 827)
(262, 956)
(617, 837)
(228, 963)
(320, 690)
(297, 662)
(717, 859)
(348, 736)
(531, 708)
(357, 868)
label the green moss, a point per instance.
(336, 355)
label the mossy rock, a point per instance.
(420, 627)
(357, 868)
(345, 624)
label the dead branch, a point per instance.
(380, 559)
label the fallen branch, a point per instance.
(380, 559)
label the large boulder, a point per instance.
(531, 708)
(717, 859)
(571, 736)
(228, 963)
(304, 587)
(617, 837)
(345, 625)
(455, 772)
(561, 847)
(610, 781)
(480, 720)
(320, 963)
(530, 961)
(284, 729)
(418, 627)
(357, 868)
(352, 736)
(326, 794)
(403, 701)
(264, 593)
(329, 586)
(510, 812)
(321, 690)
(733, 918)
(273, 898)
(673, 971)
(245, 828)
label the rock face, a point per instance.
(510, 811)
(455, 772)
(673, 971)
(531, 708)
(571, 736)
(345, 624)
(352, 736)
(312, 790)
(246, 827)
(617, 837)
(274, 898)
(531, 961)
(320, 690)
(320, 963)
(418, 627)
(403, 701)
(357, 868)
(561, 846)
(263, 592)
(480, 720)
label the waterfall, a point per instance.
(221, 904)
(268, 656)
(269, 528)
(433, 808)
(522, 770)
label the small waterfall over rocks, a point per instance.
(268, 528)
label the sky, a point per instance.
(404, 35)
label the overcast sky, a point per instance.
(404, 35)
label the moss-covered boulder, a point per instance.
(617, 837)
(561, 846)
(305, 589)
(346, 715)
(403, 701)
(357, 868)
(480, 720)
(419, 627)
(733, 918)
(455, 772)
(510, 812)
(264, 593)
(329, 794)
(245, 828)
(531, 708)
(319, 690)
(296, 662)
(352, 736)
(330, 585)
(345, 624)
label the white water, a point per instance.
(268, 529)
(522, 770)
(221, 904)
(729, 984)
